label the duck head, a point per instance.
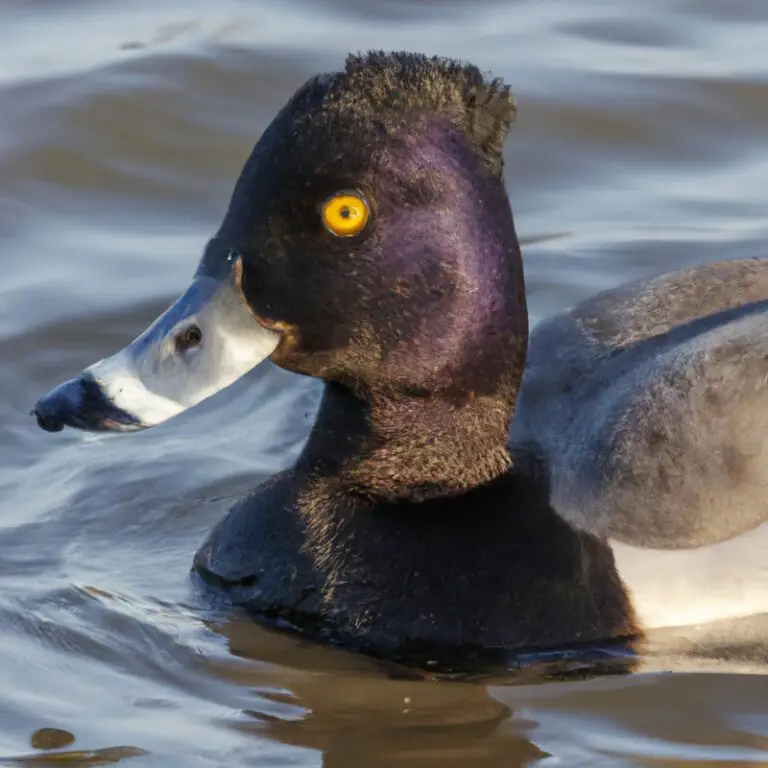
(369, 242)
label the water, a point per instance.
(641, 144)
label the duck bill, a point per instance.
(203, 343)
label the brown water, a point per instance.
(642, 143)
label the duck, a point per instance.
(464, 489)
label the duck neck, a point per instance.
(399, 447)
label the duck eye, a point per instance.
(345, 214)
(189, 338)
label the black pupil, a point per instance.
(345, 212)
(191, 337)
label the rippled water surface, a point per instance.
(642, 143)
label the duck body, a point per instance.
(644, 431)
(369, 242)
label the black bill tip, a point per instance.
(80, 403)
(46, 419)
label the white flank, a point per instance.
(682, 587)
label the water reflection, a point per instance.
(360, 712)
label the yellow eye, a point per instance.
(345, 214)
